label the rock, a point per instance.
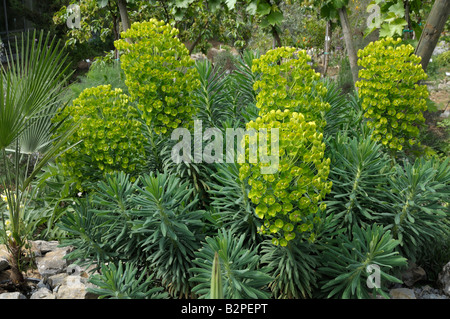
(42, 247)
(402, 293)
(44, 284)
(56, 280)
(52, 263)
(74, 287)
(4, 264)
(4, 252)
(198, 56)
(43, 293)
(12, 295)
(445, 114)
(444, 279)
(413, 274)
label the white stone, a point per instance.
(12, 295)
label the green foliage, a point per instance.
(110, 135)
(346, 261)
(119, 283)
(169, 228)
(391, 20)
(99, 74)
(359, 168)
(392, 99)
(241, 277)
(344, 78)
(416, 204)
(293, 268)
(443, 59)
(32, 86)
(160, 74)
(151, 223)
(231, 205)
(211, 96)
(345, 112)
(216, 279)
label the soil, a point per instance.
(32, 278)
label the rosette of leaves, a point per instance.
(293, 267)
(359, 168)
(231, 205)
(393, 100)
(160, 74)
(168, 228)
(416, 205)
(241, 276)
(348, 263)
(119, 282)
(287, 196)
(109, 137)
(286, 81)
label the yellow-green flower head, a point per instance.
(161, 76)
(283, 198)
(393, 100)
(109, 137)
(285, 79)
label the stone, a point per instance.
(12, 295)
(198, 56)
(413, 274)
(43, 293)
(402, 293)
(56, 280)
(4, 252)
(444, 279)
(42, 247)
(52, 263)
(73, 287)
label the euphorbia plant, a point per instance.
(393, 99)
(31, 86)
(291, 100)
(111, 135)
(160, 73)
(288, 199)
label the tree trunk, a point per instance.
(349, 43)
(408, 33)
(122, 4)
(15, 254)
(326, 53)
(433, 28)
(276, 38)
(194, 44)
(116, 34)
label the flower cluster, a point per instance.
(109, 131)
(287, 82)
(290, 100)
(392, 97)
(286, 199)
(160, 74)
